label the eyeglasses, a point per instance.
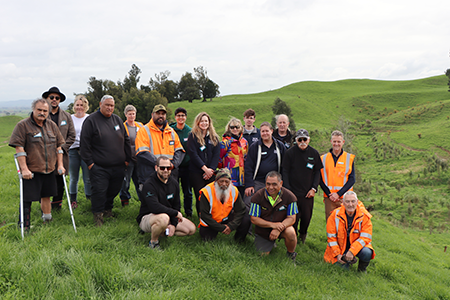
(180, 116)
(165, 168)
(54, 97)
(235, 127)
(302, 139)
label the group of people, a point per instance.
(251, 175)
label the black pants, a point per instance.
(305, 210)
(106, 184)
(197, 183)
(208, 234)
(57, 199)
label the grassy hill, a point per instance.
(404, 179)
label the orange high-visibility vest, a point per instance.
(139, 125)
(157, 142)
(336, 176)
(360, 233)
(218, 211)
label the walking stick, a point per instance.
(21, 195)
(68, 201)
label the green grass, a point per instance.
(403, 179)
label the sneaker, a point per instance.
(154, 245)
(74, 204)
(292, 255)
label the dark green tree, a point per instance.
(166, 87)
(188, 88)
(201, 75)
(97, 88)
(143, 101)
(280, 107)
(211, 89)
(132, 79)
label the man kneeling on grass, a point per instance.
(273, 211)
(160, 209)
(222, 209)
(349, 234)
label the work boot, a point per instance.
(362, 266)
(73, 201)
(108, 214)
(303, 237)
(125, 202)
(98, 219)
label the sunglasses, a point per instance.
(54, 97)
(235, 127)
(165, 168)
(180, 116)
(302, 139)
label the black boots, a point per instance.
(362, 266)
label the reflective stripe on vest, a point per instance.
(364, 234)
(151, 147)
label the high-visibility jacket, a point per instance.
(139, 125)
(335, 176)
(218, 211)
(157, 142)
(360, 233)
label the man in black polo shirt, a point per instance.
(273, 211)
(301, 173)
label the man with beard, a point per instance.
(160, 207)
(273, 212)
(105, 148)
(157, 139)
(38, 150)
(301, 173)
(65, 124)
(222, 209)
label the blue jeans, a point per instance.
(75, 162)
(130, 173)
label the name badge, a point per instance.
(170, 196)
(263, 153)
(310, 158)
(224, 219)
(340, 162)
(117, 127)
(282, 208)
(38, 135)
(63, 122)
(171, 143)
(202, 148)
(185, 139)
(309, 166)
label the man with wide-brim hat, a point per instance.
(222, 209)
(157, 139)
(65, 125)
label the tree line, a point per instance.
(160, 90)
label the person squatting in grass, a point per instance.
(160, 205)
(38, 142)
(349, 234)
(273, 211)
(222, 209)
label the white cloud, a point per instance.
(246, 46)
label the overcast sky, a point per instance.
(246, 46)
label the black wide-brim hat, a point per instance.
(54, 90)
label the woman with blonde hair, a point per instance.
(233, 152)
(80, 107)
(203, 147)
